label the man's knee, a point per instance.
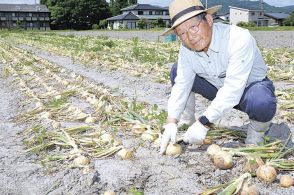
(261, 103)
(173, 73)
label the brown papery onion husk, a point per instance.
(266, 173)
(286, 181)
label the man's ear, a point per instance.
(209, 19)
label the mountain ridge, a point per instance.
(247, 4)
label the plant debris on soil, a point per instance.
(84, 115)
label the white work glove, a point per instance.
(169, 134)
(196, 133)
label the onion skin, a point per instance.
(207, 141)
(81, 161)
(213, 149)
(286, 181)
(173, 149)
(223, 160)
(266, 173)
(252, 164)
(109, 192)
(107, 138)
(90, 120)
(252, 190)
(125, 154)
(138, 129)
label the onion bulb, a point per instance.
(109, 192)
(286, 181)
(46, 115)
(149, 136)
(207, 141)
(117, 143)
(251, 190)
(223, 160)
(213, 149)
(266, 173)
(90, 119)
(107, 138)
(252, 164)
(56, 125)
(125, 154)
(138, 128)
(173, 149)
(81, 161)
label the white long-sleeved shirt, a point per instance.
(232, 62)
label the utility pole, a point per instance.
(206, 4)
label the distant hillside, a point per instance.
(246, 4)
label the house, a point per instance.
(131, 15)
(247, 14)
(276, 18)
(24, 16)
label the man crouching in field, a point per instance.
(223, 64)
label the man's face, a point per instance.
(196, 34)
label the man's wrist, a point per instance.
(171, 120)
(204, 121)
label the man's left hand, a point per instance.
(196, 133)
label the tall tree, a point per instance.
(77, 14)
(117, 5)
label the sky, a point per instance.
(278, 3)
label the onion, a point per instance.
(149, 136)
(90, 120)
(286, 181)
(125, 154)
(252, 164)
(81, 161)
(251, 190)
(107, 138)
(223, 160)
(207, 141)
(109, 192)
(173, 149)
(46, 115)
(138, 128)
(266, 173)
(213, 149)
(56, 125)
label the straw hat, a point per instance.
(182, 10)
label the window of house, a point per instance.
(253, 13)
(260, 13)
(140, 12)
(166, 12)
(158, 12)
(30, 14)
(13, 14)
(150, 13)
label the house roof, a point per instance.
(126, 16)
(23, 8)
(277, 16)
(144, 7)
(247, 7)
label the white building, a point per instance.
(132, 14)
(256, 16)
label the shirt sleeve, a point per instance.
(182, 87)
(241, 56)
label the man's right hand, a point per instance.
(169, 134)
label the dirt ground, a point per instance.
(147, 172)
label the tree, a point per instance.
(289, 21)
(117, 5)
(77, 14)
(142, 23)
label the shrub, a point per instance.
(246, 24)
(142, 23)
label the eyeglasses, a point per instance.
(193, 30)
